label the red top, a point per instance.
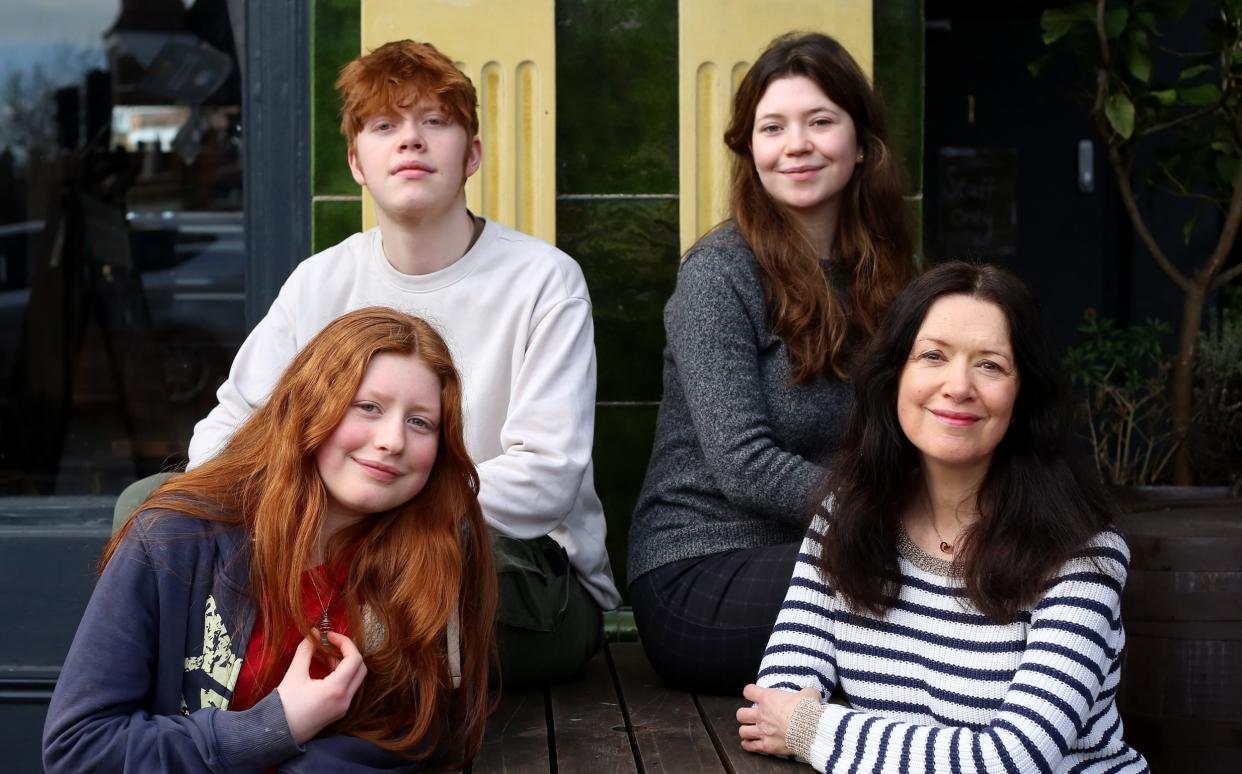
(319, 587)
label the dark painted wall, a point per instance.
(1066, 243)
(47, 570)
(1076, 249)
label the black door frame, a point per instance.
(276, 147)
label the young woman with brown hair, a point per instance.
(768, 310)
(345, 507)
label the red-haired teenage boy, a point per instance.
(516, 314)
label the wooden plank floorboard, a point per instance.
(667, 727)
(589, 727)
(720, 713)
(516, 740)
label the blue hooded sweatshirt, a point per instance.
(151, 671)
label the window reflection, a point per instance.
(121, 244)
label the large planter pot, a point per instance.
(1181, 686)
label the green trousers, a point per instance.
(548, 625)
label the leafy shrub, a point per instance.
(1216, 434)
(1121, 381)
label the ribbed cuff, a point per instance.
(257, 738)
(803, 725)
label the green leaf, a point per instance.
(1055, 31)
(1120, 113)
(1165, 97)
(1053, 34)
(1194, 72)
(1199, 96)
(1057, 22)
(1115, 21)
(1223, 146)
(1148, 20)
(1137, 55)
(1188, 228)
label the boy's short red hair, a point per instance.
(399, 74)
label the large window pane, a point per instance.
(121, 246)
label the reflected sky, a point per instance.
(44, 33)
(55, 21)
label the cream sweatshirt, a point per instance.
(517, 317)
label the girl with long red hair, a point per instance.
(319, 596)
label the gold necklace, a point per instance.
(945, 546)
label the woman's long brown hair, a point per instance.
(873, 244)
(410, 568)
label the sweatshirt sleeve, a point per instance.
(1074, 641)
(712, 339)
(347, 754)
(529, 489)
(97, 719)
(802, 651)
(260, 361)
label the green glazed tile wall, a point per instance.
(628, 252)
(335, 39)
(616, 96)
(623, 438)
(332, 221)
(616, 68)
(899, 67)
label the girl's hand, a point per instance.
(763, 726)
(312, 704)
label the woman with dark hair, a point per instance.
(768, 310)
(347, 507)
(961, 586)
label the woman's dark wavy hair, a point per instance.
(1036, 506)
(820, 325)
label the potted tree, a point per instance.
(1171, 121)
(1187, 131)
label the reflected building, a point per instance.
(122, 283)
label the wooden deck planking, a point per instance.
(720, 714)
(588, 725)
(667, 727)
(618, 718)
(516, 740)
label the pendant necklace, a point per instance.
(945, 546)
(324, 624)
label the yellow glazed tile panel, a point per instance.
(508, 49)
(717, 41)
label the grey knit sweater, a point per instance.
(738, 449)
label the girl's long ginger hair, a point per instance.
(410, 567)
(873, 247)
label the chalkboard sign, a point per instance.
(978, 196)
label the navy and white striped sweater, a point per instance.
(934, 686)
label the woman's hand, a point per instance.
(763, 726)
(312, 704)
